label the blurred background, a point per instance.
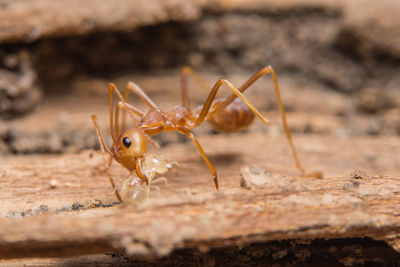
(338, 63)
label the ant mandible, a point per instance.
(233, 113)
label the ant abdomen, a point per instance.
(237, 116)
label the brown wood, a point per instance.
(189, 213)
(28, 21)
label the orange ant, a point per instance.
(233, 113)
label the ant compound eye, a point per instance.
(127, 142)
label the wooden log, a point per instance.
(41, 218)
(28, 21)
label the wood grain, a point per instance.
(189, 213)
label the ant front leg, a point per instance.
(124, 107)
(134, 88)
(105, 150)
(132, 112)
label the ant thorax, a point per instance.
(152, 122)
(182, 116)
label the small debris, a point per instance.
(14, 214)
(108, 205)
(53, 184)
(78, 206)
(19, 214)
(254, 170)
(254, 177)
(358, 174)
(350, 185)
(94, 204)
(43, 208)
(63, 209)
(88, 205)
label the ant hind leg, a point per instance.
(185, 72)
(245, 86)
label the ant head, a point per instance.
(131, 143)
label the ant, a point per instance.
(233, 113)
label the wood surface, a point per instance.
(358, 197)
(61, 205)
(27, 21)
(31, 20)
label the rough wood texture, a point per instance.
(28, 21)
(189, 213)
(371, 22)
(377, 26)
(61, 206)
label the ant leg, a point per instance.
(103, 146)
(116, 120)
(119, 106)
(185, 72)
(203, 154)
(114, 187)
(247, 84)
(110, 94)
(131, 86)
(104, 150)
(132, 111)
(127, 107)
(207, 105)
(114, 132)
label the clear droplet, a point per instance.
(133, 190)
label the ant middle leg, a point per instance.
(203, 154)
